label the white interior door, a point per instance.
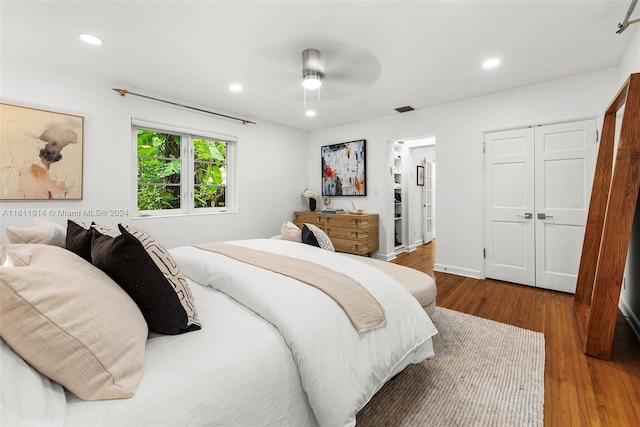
(565, 161)
(429, 169)
(509, 206)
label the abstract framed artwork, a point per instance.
(420, 175)
(42, 154)
(344, 169)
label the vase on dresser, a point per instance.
(312, 204)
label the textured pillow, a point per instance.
(28, 398)
(146, 271)
(312, 235)
(79, 238)
(290, 231)
(72, 323)
(41, 231)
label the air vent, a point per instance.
(404, 109)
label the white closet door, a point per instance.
(509, 206)
(565, 161)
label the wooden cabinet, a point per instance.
(351, 233)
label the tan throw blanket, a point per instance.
(364, 311)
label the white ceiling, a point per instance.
(377, 55)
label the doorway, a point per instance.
(421, 167)
(537, 190)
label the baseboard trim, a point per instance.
(631, 317)
(384, 257)
(474, 274)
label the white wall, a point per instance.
(269, 168)
(459, 129)
(630, 295)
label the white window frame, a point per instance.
(187, 169)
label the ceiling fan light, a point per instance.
(311, 81)
(311, 69)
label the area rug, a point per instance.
(484, 373)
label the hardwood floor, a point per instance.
(579, 390)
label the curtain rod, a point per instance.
(626, 22)
(123, 92)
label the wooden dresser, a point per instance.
(351, 233)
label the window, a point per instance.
(181, 172)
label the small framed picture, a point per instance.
(420, 175)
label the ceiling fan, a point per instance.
(342, 70)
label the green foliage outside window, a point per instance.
(160, 169)
(210, 169)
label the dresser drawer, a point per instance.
(350, 233)
(358, 248)
(357, 221)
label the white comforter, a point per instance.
(339, 369)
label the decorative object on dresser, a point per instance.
(350, 233)
(312, 196)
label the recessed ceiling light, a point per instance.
(310, 113)
(491, 63)
(235, 87)
(91, 39)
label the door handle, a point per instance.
(527, 215)
(544, 216)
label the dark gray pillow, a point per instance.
(78, 238)
(146, 271)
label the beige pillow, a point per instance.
(290, 231)
(40, 231)
(71, 322)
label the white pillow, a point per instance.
(41, 231)
(290, 231)
(28, 398)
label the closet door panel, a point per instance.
(564, 165)
(509, 197)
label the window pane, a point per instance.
(209, 173)
(152, 197)
(159, 168)
(152, 170)
(210, 150)
(209, 196)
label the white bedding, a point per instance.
(339, 369)
(271, 351)
(237, 367)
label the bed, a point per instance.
(261, 350)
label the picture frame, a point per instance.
(420, 176)
(344, 168)
(42, 154)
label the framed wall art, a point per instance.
(344, 169)
(420, 175)
(41, 154)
